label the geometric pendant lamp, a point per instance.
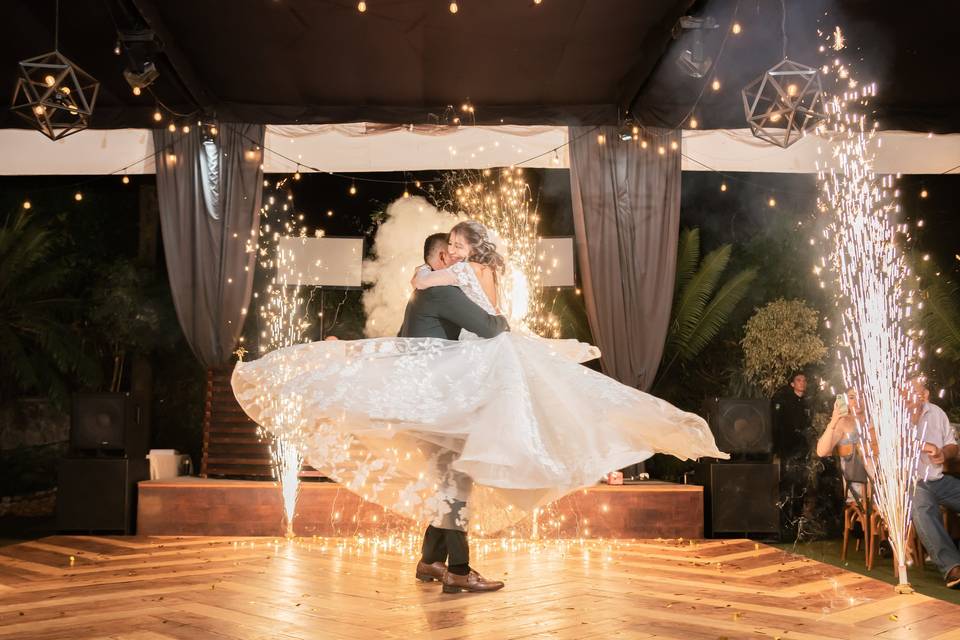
(53, 94)
(784, 103)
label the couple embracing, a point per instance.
(461, 422)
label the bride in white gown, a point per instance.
(517, 413)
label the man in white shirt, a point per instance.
(933, 487)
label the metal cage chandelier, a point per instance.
(53, 94)
(784, 103)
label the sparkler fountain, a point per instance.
(878, 351)
(285, 322)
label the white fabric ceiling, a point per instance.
(363, 147)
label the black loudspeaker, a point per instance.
(107, 423)
(742, 497)
(740, 425)
(98, 494)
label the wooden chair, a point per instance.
(856, 510)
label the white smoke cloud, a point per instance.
(399, 248)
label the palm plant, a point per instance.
(941, 317)
(701, 305)
(39, 347)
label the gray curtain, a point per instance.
(626, 213)
(209, 190)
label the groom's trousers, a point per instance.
(449, 546)
(445, 540)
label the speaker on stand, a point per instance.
(97, 481)
(741, 495)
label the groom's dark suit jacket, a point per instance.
(440, 312)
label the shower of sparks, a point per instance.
(283, 324)
(501, 200)
(878, 350)
(839, 42)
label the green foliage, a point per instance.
(40, 348)
(779, 338)
(128, 313)
(940, 317)
(701, 306)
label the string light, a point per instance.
(78, 196)
(674, 145)
(693, 123)
(923, 193)
(361, 6)
(715, 85)
(296, 175)
(186, 128)
(26, 204)
(772, 202)
(125, 179)
(353, 189)
(723, 186)
(601, 139)
(453, 7)
(736, 29)
(137, 91)
(213, 129)
(157, 116)
(171, 127)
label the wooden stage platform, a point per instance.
(203, 506)
(98, 588)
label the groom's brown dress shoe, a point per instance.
(472, 582)
(430, 572)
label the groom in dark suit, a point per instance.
(441, 312)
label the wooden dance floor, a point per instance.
(228, 588)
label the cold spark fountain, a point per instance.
(878, 350)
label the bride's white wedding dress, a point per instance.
(387, 417)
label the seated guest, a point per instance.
(843, 435)
(934, 489)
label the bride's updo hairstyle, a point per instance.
(482, 249)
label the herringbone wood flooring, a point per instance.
(228, 588)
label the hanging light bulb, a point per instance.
(772, 201)
(171, 127)
(78, 196)
(125, 179)
(923, 193)
(137, 91)
(693, 123)
(296, 174)
(186, 128)
(643, 144)
(453, 7)
(723, 186)
(353, 189)
(715, 85)
(213, 129)
(361, 6)
(673, 145)
(157, 116)
(736, 28)
(26, 204)
(601, 139)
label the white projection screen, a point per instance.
(556, 262)
(324, 262)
